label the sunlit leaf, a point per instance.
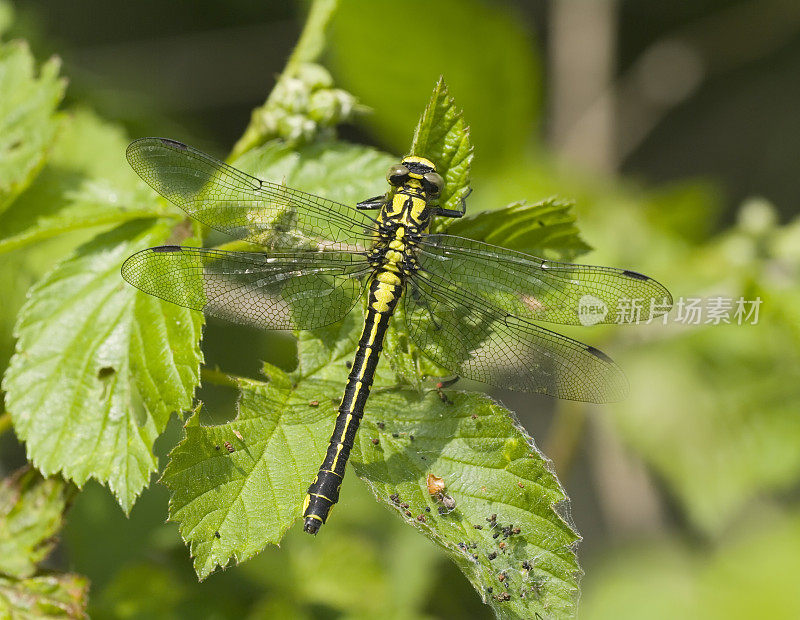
(443, 137)
(545, 229)
(85, 183)
(239, 486)
(100, 366)
(28, 121)
(31, 509)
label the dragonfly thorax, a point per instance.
(415, 185)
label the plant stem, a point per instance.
(312, 39)
(308, 49)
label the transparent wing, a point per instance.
(243, 206)
(461, 331)
(299, 290)
(533, 288)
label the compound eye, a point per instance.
(435, 183)
(397, 174)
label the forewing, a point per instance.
(533, 288)
(460, 331)
(240, 205)
(298, 290)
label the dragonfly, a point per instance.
(471, 307)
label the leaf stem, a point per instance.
(218, 377)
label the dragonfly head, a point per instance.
(415, 185)
(416, 175)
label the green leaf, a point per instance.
(100, 366)
(239, 486)
(45, 596)
(545, 229)
(490, 467)
(388, 55)
(253, 488)
(443, 137)
(31, 514)
(31, 509)
(85, 183)
(28, 121)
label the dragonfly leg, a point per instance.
(376, 202)
(455, 212)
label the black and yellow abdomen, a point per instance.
(324, 491)
(405, 215)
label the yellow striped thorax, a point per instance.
(415, 184)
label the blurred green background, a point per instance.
(674, 126)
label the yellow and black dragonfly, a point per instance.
(472, 307)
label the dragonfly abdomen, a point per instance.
(384, 293)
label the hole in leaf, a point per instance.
(105, 372)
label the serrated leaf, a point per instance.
(85, 183)
(499, 91)
(443, 137)
(545, 229)
(31, 512)
(490, 467)
(31, 509)
(99, 366)
(231, 499)
(28, 121)
(255, 470)
(43, 597)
